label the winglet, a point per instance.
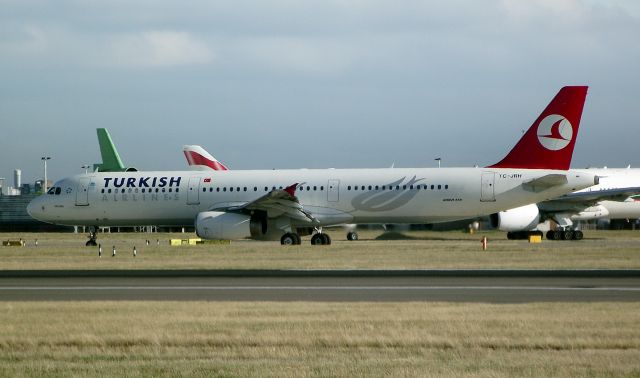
(291, 189)
(198, 157)
(549, 142)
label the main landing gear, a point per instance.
(352, 236)
(565, 235)
(93, 235)
(292, 238)
(320, 239)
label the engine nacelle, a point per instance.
(593, 212)
(222, 225)
(522, 218)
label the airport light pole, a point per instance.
(438, 160)
(86, 168)
(44, 159)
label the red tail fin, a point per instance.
(549, 142)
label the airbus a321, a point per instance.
(287, 204)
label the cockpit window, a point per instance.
(58, 191)
(51, 190)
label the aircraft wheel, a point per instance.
(317, 239)
(550, 234)
(288, 239)
(326, 239)
(510, 235)
(351, 236)
(578, 235)
(297, 237)
(555, 235)
(566, 235)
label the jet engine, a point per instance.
(593, 212)
(522, 218)
(222, 225)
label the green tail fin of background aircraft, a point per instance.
(110, 159)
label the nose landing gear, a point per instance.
(93, 236)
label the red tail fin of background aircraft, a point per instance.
(549, 142)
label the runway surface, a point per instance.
(456, 286)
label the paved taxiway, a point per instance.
(459, 286)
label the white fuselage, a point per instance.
(610, 178)
(333, 196)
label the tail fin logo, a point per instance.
(555, 132)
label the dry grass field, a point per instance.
(409, 250)
(300, 339)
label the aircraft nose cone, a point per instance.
(33, 208)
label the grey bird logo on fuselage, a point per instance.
(392, 197)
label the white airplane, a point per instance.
(610, 199)
(285, 204)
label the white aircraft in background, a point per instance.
(610, 199)
(285, 204)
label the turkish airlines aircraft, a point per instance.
(285, 204)
(610, 199)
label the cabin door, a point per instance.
(487, 189)
(193, 192)
(82, 192)
(333, 190)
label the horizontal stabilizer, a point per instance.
(545, 182)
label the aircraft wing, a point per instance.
(616, 194)
(278, 202)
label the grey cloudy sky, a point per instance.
(290, 84)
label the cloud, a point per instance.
(157, 49)
(54, 45)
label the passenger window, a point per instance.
(314, 188)
(322, 187)
(109, 190)
(231, 189)
(376, 187)
(122, 190)
(397, 187)
(177, 190)
(102, 191)
(237, 189)
(224, 189)
(439, 187)
(349, 187)
(446, 186)
(404, 187)
(245, 188)
(432, 186)
(204, 189)
(255, 188)
(410, 186)
(369, 187)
